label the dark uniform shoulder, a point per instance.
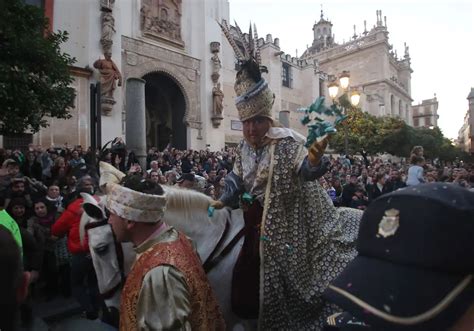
(345, 322)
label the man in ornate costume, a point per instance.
(296, 242)
(167, 288)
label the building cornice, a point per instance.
(392, 84)
(81, 72)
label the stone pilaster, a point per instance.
(136, 118)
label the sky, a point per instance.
(439, 34)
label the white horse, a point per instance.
(218, 240)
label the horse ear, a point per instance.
(92, 207)
(94, 211)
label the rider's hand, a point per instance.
(217, 204)
(316, 151)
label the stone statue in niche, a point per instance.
(145, 17)
(216, 67)
(217, 100)
(108, 31)
(109, 73)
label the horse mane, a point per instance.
(184, 199)
(189, 204)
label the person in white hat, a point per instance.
(167, 288)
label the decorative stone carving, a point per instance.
(109, 73)
(154, 58)
(162, 21)
(132, 58)
(216, 67)
(196, 125)
(217, 105)
(217, 94)
(108, 31)
(215, 47)
(107, 5)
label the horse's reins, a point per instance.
(213, 260)
(120, 258)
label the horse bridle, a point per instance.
(118, 250)
(213, 258)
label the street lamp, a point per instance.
(333, 87)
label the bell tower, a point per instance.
(323, 37)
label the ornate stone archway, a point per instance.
(165, 111)
(140, 58)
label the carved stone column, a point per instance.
(217, 94)
(136, 118)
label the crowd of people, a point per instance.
(40, 189)
(357, 181)
(38, 185)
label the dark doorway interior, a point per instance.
(165, 109)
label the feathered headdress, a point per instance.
(254, 97)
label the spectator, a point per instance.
(41, 221)
(154, 175)
(76, 159)
(18, 189)
(14, 281)
(10, 169)
(415, 172)
(359, 199)
(154, 166)
(210, 191)
(187, 164)
(55, 199)
(171, 177)
(336, 184)
(60, 170)
(378, 188)
(349, 190)
(395, 182)
(219, 187)
(83, 277)
(32, 167)
(187, 180)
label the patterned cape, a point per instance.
(305, 243)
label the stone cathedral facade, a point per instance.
(376, 71)
(177, 48)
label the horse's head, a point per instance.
(106, 254)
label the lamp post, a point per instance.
(354, 98)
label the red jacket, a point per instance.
(68, 223)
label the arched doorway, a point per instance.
(165, 108)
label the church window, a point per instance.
(48, 8)
(392, 105)
(318, 31)
(321, 87)
(428, 121)
(286, 75)
(325, 31)
(416, 122)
